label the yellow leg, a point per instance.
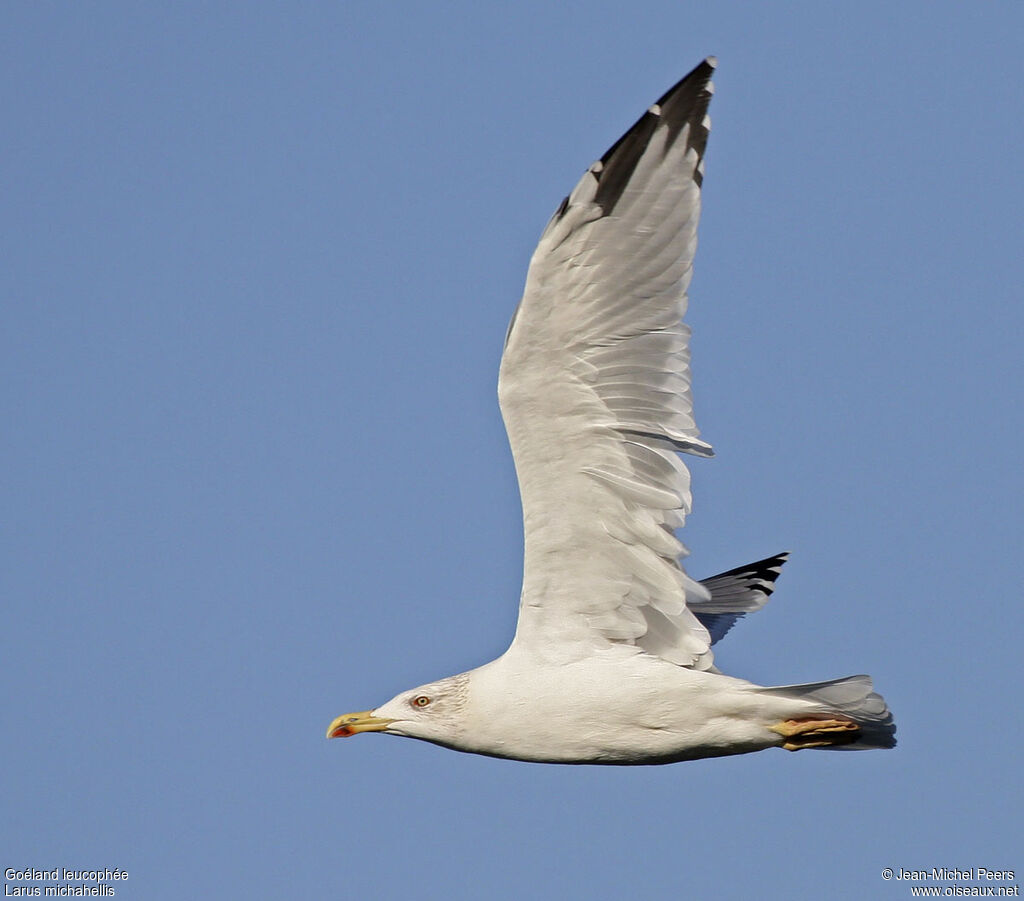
(816, 733)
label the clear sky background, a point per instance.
(257, 264)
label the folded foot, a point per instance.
(818, 732)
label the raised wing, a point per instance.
(595, 393)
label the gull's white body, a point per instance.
(625, 707)
(612, 660)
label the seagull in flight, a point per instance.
(612, 658)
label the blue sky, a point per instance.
(258, 260)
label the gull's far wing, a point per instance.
(736, 593)
(595, 393)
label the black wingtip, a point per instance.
(766, 570)
(697, 78)
(686, 102)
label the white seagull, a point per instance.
(611, 662)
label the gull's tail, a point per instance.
(850, 716)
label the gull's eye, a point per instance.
(420, 701)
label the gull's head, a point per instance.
(432, 712)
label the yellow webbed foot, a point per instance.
(816, 732)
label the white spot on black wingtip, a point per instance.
(597, 167)
(710, 87)
(654, 110)
(711, 61)
(706, 122)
